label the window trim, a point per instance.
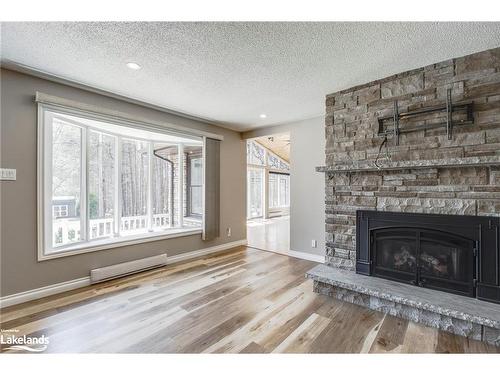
(44, 178)
(106, 244)
(189, 197)
(96, 113)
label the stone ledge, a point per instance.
(369, 166)
(460, 315)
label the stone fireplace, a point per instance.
(426, 172)
(423, 142)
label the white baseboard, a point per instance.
(49, 290)
(298, 254)
(202, 252)
(307, 256)
(44, 291)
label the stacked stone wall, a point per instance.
(352, 136)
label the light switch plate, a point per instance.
(314, 243)
(7, 174)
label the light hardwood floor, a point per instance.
(242, 301)
(269, 234)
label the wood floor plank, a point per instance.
(208, 338)
(390, 336)
(419, 339)
(270, 317)
(253, 348)
(371, 336)
(449, 343)
(272, 341)
(301, 339)
(474, 346)
(349, 327)
(240, 301)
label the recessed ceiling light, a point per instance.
(133, 66)
(262, 115)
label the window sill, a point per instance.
(106, 244)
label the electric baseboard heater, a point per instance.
(122, 269)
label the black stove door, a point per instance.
(446, 262)
(395, 254)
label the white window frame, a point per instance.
(283, 201)
(44, 186)
(261, 170)
(189, 185)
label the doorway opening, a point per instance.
(268, 192)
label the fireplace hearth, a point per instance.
(451, 253)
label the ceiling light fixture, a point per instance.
(133, 66)
(262, 115)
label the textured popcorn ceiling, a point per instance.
(232, 72)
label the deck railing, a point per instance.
(66, 231)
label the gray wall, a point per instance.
(307, 187)
(20, 270)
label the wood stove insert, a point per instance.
(456, 254)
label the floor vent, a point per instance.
(122, 269)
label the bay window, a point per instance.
(106, 182)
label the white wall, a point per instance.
(307, 187)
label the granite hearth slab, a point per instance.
(460, 315)
(369, 165)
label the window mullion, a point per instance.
(188, 186)
(84, 225)
(283, 198)
(265, 190)
(150, 187)
(280, 195)
(180, 184)
(118, 186)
